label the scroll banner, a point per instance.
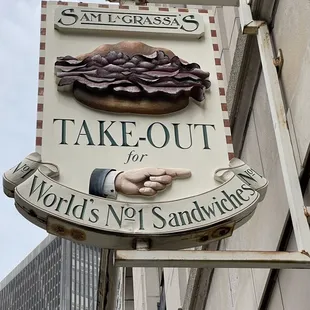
(117, 224)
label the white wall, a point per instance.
(292, 35)
(145, 288)
(175, 286)
(263, 231)
(292, 287)
(240, 288)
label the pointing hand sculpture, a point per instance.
(147, 181)
(143, 181)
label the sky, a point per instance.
(19, 58)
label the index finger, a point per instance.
(178, 173)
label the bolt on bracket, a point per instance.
(307, 213)
(278, 62)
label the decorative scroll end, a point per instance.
(50, 170)
(250, 177)
(245, 173)
(223, 175)
(20, 173)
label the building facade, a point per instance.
(35, 282)
(270, 229)
(57, 274)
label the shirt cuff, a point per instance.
(109, 185)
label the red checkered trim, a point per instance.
(226, 122)
(222, 91)
(231, 155)
(224, 107)
(41, 76)
(39, 124)
(220, 79)
(215, 47)
(40, 107)
(38, 141)
(40, 91)
(228, 139)
(213, 33)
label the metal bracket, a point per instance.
(248, 25)
(142, 244)
(286, 157)
(307, 213)
(252, 27)
(278, 62)
(213, 259)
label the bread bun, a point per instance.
(115, 104)
(129, 48)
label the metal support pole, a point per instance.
(248, 25)
(199, 283)
(111, 283)
(213, 259)
(139, 276)
(285, 150)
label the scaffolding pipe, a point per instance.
(213, 259)
(111, 286)
(285, 149)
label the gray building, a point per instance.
(57, 274)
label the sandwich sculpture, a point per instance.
(132, 77)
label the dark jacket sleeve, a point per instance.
(97, 180)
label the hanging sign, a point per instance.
(131, 142)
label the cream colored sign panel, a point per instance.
(79, 139)
(106, 20)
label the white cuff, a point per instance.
(109, 185)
